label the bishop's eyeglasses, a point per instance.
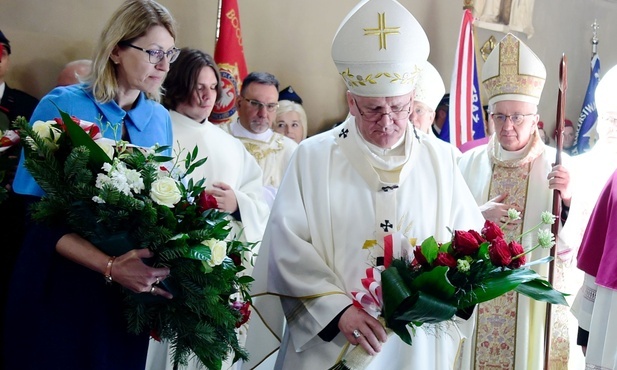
(395, 114)
(516, 118)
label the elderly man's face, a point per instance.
(381, 121)
(514, 135)
(422, 116)
(607, 126)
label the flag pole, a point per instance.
(218, 22)
(561, 108)
(579, 146)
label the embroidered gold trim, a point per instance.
(371, 79)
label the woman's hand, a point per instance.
(131, 272)
(128, 270)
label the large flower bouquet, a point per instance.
(9, 139)
(121, 197)
(432, 282)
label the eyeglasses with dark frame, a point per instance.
(257, 105)
(155, 56)
(395, 115)
(516, 118)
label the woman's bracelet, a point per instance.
(110, 264)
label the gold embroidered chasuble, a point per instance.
(510, 329)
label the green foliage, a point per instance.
(199, 319)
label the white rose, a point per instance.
(218, 249)
(48, 132)
(165, 192)
(107, 147)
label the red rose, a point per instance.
(445, 259)
(236, 258)
(515, 250)
(465, 243)
(499, 252)
(206, 201)
(491, 231)
(244, 309)
(417, 252)
(155, 335)
(478, 236)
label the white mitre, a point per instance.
(379, 49)
(430, 88)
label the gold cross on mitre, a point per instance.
(382, 31)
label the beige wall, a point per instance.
(292, 38)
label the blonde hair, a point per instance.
(130, 21)
(290, 106)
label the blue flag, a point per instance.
(589, 115)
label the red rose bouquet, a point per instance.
(433, 282)
(121, 197)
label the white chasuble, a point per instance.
(510, 329)
(338, 193)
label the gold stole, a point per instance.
(496, 332)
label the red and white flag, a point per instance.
(466, 118)
(229, 56)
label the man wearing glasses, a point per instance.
(515, 170)
(369, 178)
(257, 106)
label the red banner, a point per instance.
(229, 55)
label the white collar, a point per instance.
(239, 131)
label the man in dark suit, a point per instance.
(13, 103)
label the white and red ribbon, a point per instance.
(371, 299)
(9, 139)
(395, 245)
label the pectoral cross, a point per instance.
(387, 225)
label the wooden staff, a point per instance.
(561, 109)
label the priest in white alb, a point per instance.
(257, 105)
(515, 170)
(366, 179)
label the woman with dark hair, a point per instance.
(232, 175)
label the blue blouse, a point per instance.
(148, 123)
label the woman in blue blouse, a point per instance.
(61, 313)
